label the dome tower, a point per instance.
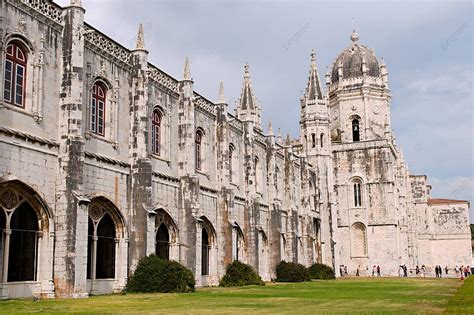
(359, 98)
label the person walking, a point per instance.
(345, 270)
(378, 270)
(417, 270)
(374, 269)
(400, 271)
(405, 271)
(446, 269)
(456, 270)
(357, 271)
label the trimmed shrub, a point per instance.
(291, 272)
(239, 274)
(158, 275)
(321, 271)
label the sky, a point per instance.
(427, 46)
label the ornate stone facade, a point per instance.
(104, 159)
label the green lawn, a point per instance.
(361, 295)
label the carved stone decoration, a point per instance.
(48, 8)
(451, 220)
(21, 26)
(9, 199)
(96, 212)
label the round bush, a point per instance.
(291, 272)
(321, 271)
(158, 275)
(239, 274)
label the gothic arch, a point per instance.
(23, 40)
(238, 243)
(106, 227)
(208, 247)
(25, 226)
(166, 234)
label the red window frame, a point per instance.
(98, 101)
(15, 71)
(156, 132)
(198, 142)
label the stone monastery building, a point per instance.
(105, 158)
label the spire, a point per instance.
(270, 129)
(221, 98)
(140, 38)
(279, 137)
(187, 72)
(247, 98)
(288, 140)
(313, 88)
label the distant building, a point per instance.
(105, 158)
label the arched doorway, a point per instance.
(23, 244)
(105, 248)
(163, 242)
(104, 228)
(205, 249)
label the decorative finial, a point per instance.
(140, 38)
(270, 129)
(221, 99)
(354, 36)
(187, 72)
(246, 70)
(288, 141)
(313, 59)
(75, 3)
(279, 137)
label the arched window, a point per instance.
(359, 240)
(355, 130)
(163, 242)
(105, 248)
(102, 240)
(321, 140)
(97, 110)
(156, 132)
(313, 140)
(205, 253)
(15, 75)
(22, 260)
(238, 243)
(357, 193)
(198, 145)
(231, 157)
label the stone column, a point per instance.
(140, 164)
(6, 254)
(71, 219)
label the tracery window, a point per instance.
(198, 148)
(156, 132)
(97, 107)
(15, 75)
(313, 140)
(321, 140)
